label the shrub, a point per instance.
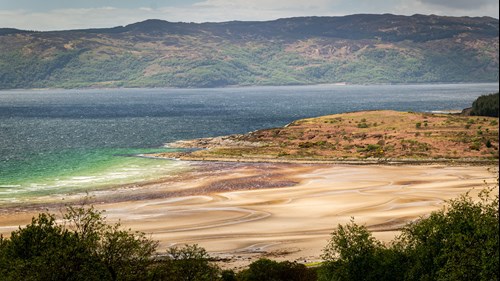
(475, 145)
(459, 242)
(83, 248)
(190, 262)
(354, 254)
(488, 144)
(269, 270)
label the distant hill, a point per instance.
(354, 49)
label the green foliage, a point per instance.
(354, 254)
(84, 247)
(44, 250)
(322, 144)
(363, 125)
(25, 71)
(475, 145)
(228, 275)
(372, 150)
(268, 270)
(460, 242)
(486, 105)
(189, 263)
(488, 144)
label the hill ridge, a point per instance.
(356, 49)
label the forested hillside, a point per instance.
(486, 105)
(354, 49)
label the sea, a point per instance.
(55, 142)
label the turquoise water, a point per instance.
(63, 141)
(79, 170)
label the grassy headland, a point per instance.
(368, 136)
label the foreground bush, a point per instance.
(354, 254)
(189, 263)
(84, 247)
(268, 270)
(459, 242)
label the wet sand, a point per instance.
(243, 211)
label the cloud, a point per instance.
(459, 4)
(227, 10)
(447, 8)
(224, 10)
(205, 11)
(266, 4)
(62, 19)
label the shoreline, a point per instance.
(336, 84)
(240, 212)
(352, 161)
(280, 192)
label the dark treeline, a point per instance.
(459, 242)
(486, 105)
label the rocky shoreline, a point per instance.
(194, 145)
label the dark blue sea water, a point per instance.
(54, 141)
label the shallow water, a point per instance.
(58, 141)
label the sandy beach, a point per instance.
(242, 211)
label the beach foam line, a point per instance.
(131, 171)
(9, 186)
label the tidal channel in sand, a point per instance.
(243, 211)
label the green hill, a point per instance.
(309, 50)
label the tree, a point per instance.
(269, 270)
(486, 105)
(83, 247)
(457, 243)
(354, 254)
(44, 250)
(188, 263)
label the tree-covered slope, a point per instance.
(353, 49)
(486, 105)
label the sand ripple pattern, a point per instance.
(294, 221)
(299, 218)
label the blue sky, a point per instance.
(73, 14)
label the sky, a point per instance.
(45, 15)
